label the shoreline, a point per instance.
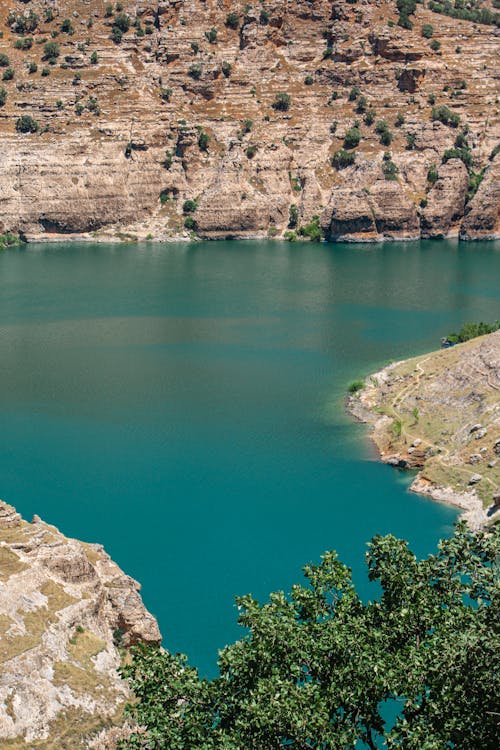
(368, 406)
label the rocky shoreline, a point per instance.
(67, 615)
(440, 414)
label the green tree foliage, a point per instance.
(51, 51)
(317, 665)
(232, 20)
(282, 102)
(445, 115)
(352, 138)
(26, 124)
(343, 158)
(471, 330)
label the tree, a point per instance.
(51, 51)
(317, 665)
(282, 102)
(26, 124)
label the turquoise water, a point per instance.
(182, 405)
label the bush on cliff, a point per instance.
(471, 330)
(282, 102)
(317, 667)
(26, 124)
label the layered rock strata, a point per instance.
(67, 611)
(184, 107)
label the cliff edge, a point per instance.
(66, 612)
(440, 414)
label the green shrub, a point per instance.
(190, 223)
(251, 151)
(443, 114)
(203, 140)
(4, 60)
(25, 43)
(400, 120)
(472, 330)
(309, 80)
(342, 159)
(361, 104)
(427, 30)
(8, 240)
(45, 72)
(3, 96)
(355, 386)
(354, 93)
(352, 138)
(26, 124)
(122, 22)
(51, 51)
(189, 206)
(67, 27)
(293, 216)
(435, 45)
(411, 139)
(389, 169)
(195, 71)
(312, 230)
(93, 58)
(369, 117)
(232, 20)
(282, 102)
(211, 35)
(432, 174)
(8, 74)
(264, 17)
(116, 35)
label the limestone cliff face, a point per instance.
(182, 108)
(65, 606)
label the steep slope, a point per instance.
(183, 105)
(440, 414)
(65, 608)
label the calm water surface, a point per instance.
(182, 405)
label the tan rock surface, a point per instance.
(64, 605)
(440, 413)
(98, 168)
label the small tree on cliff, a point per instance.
(317, 665)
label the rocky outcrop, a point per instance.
(440, 414)
(65, 611)
(186, 106)
(482, 216)
(446, 201)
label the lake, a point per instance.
(183, 405)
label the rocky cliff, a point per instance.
(67, 611)
(440, 414)
(245, 110)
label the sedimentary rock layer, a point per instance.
(66, 610)
(184, 108)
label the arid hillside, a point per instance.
(440, 413)
(231, 119)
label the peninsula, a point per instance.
(440, 414)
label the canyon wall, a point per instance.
(185, 105)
